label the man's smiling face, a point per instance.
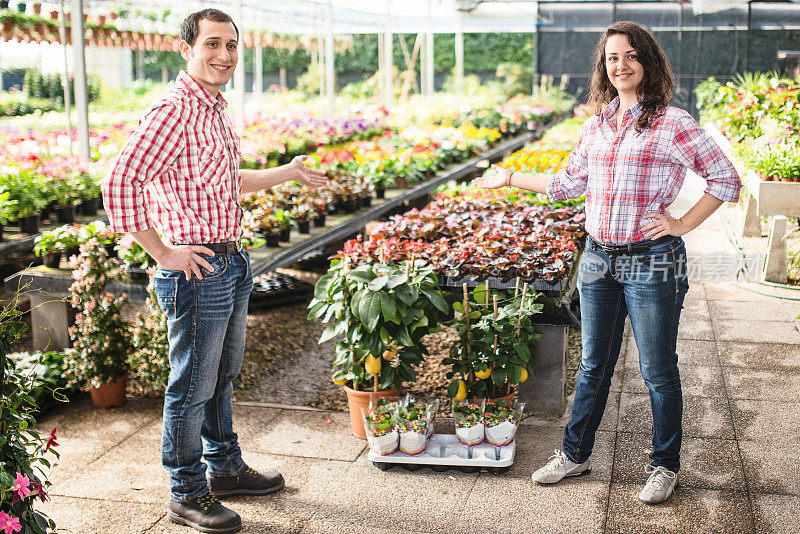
(212, 59)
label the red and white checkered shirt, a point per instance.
(179, 171)
(625, 174)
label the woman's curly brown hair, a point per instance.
(655, 89)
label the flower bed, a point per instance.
(760, 115)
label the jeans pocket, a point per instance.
(166, 289)
(219, 265)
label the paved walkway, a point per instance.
(740, 365)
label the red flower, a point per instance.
(51, 441)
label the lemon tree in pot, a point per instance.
(383, 311)
(493, 351)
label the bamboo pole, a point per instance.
(516, 288)
(471, 377)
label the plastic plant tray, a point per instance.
(444, 452)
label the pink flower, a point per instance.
(51, 441)
(9, 524)
(21, 486)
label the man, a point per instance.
(178, 175)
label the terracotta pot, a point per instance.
(401, 181)
(111, 394)
(360, 399)
(508, 398)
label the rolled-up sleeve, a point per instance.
(694, 148)
(570, 182)
(152, 148)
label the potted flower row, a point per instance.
(404, 425)
(493, 421)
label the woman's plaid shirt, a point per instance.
(179, 172)
(625, 175)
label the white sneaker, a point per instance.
(659, 486)
(559, 466)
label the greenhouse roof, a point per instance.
(468, 16)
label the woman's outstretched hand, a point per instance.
(663, 225)
(493, 180)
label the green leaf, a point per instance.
(321, 289)
(384, 335)
(475, 314)
(452, 389)
(479, 294)
(523, 351)
(328, 333)
(407, 294)
(458, 306)
(499, 376)
(396, 280)
(514, 373)
(369, 310)
(355, 303)
(378, 283)
(362, 274)
(388, 307)
(436, 298)
(404, 337)
(317, 311)
(387, 376)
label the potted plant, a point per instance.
(24, 454)
(381, 429)
(320, 211)
(468, 420)
(27, 192)
(413, 423)
(383, 311)
(8, 209)
(150, 355)
(101, 338)
(302, 216)
(135, 260)
(49, 247)
(500, 421)
(493, 351)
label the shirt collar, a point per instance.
(199, 92)
(611, 108)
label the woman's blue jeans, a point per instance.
(206, 320)
(649, 287)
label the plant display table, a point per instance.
(775, 200)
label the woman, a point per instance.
(630, 163)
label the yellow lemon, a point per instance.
(389, 354)
(484, 374)
(372, 365)
(339, 382)
(462, 391)
(524, 376)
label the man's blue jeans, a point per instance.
(650, 288)
(207, 320)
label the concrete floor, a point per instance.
(740, 366)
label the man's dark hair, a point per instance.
(191, 26)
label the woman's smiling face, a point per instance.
(622, 64)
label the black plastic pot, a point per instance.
(29, 224)
(89, 207)
(72, 251)
(366, 202)
(110, 250)
(52, 260)
(304, 227)
(3, 4)
(380, 192)
(286, 234)
(65, 214)
(319, 220)
(272, 240)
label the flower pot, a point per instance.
(134, 272)
(73, 251)
(65, 214)
(21, 7)
(366, 202)
(3, 4)
(286, 234)
(319, 220)
(272, 240)
(508, 398)
(111, 394)
(360, 399)
(401, 181)
(89, 206)
(304, 227)
(52, 260)
(29, 224)
(37, 8)
(110, 250)
(380, 192)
